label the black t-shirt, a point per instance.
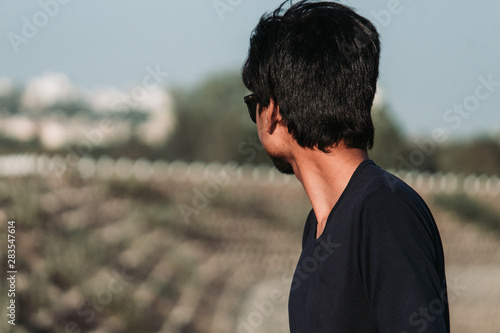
(378, 266)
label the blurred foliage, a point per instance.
(11, 103)
(471, 210)
(71, 108)
(12, 146)
(135, 190)
(18, 198)
(389, 142)
(133, 149)
(480, 156)
(213, 123)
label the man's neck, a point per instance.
(324, 177)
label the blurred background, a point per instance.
(143, 199)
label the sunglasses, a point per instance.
(251, 103)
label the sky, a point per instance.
(440, 69)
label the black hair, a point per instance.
(319, 62)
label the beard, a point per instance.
(282, 165)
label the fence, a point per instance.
(144, 170)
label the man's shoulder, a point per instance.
(371, 179)
(386, 197)
(375, 185)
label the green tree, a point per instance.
(389, 144)
(10, 103)
(213, 123)
(479, 156)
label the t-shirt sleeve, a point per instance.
(399, 264)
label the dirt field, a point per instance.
(118, 256)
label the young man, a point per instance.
(372, 259)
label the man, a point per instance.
(372, 259)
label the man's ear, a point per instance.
(272, 117)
